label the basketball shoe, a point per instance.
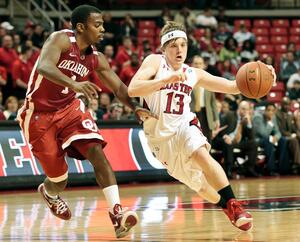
(58, 207)
(237, 215)
(122, 220)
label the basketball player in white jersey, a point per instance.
(165, 83)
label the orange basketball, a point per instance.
(254, 79)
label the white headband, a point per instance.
(172, 35)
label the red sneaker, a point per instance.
(58, 207)
(237, 215)
(122, 220)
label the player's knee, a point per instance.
(96, 156)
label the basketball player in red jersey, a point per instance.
(55, 122)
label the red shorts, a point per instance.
(51, 134)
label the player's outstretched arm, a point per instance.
(113, 82)
(215, 83)
(143, 82)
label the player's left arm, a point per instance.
(113, 82)
(215, 83)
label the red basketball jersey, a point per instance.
(45, 95)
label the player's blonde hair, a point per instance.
(169, 27)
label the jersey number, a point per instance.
(66, 90)
(179, 105)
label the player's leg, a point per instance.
(52, 158)
(40, 132)
(122, 219)
(217, 179)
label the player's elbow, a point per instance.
(41, 68)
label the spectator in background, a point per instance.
(193, 46)
(288, 129)
(288, 66)
(229, 51)
(7, 57)
(3, 77)
(17, 43)
(294, 92)
(7, 27)
(129, 70)
(21, 71)
(206, 19)
(164, 17)
(109, 54)
(294, 77)
(124, 52)
(35, 51)
(128, 114)
(222, 33)
(228, 70)
(248, 52)
(111, 30)
(269, 137)
(104, 102)
(291, 46)
(204, 104)
(186, 17)
(115, 112)
(221, 16)
(239, 133)
(2, 117)
(38, 37)
(11, 108)
(242, 35)
(93, 108)
(145, 50)
(128, 27)
(1, 101)
(207, 42)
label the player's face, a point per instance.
(175, 52)
(94, 28)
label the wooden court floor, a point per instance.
(167, 212)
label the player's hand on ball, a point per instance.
(271, 68)
(143, 114)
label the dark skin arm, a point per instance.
(113, 82)
(55, 45)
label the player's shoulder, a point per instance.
(60, 38)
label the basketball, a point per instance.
(254, 79)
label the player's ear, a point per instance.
(80, 27)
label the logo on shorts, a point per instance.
(89, 124)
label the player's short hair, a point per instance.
(81, 13)
(171, 26)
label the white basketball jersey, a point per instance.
(171, 103)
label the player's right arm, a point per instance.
(55, 45)
(143, 82)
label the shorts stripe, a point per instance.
(81, 136)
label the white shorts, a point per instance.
(175, 153)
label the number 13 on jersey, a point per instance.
(178, 109)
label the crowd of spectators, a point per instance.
(258, 129)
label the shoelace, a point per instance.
(237, 205)
(60, 205)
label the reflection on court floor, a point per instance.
(168, 212)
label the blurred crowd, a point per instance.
(261, 136)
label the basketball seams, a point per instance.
(249, 91)
(260, 80)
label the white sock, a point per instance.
(53, 197)
(112, 197)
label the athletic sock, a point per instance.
(226, 193)
(48, 195)
(222, 203)
(112, 197)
